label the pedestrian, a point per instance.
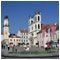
(15, 50)
(49, 46)
(2, 46)
(8, 47)
(46, 47)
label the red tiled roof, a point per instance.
(24, 31)
(14, 36)
(2, 33)
(45, 26)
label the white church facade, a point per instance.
(34, 27)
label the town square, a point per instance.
(29, 29)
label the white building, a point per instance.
(34, 27)
(23, 34)
(14, 40)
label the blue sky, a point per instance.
(19, 12)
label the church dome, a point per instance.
(6, 17)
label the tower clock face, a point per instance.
(6, 30)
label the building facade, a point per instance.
(43, 37)
(48, 33)
(14, 40)
(23, 34)
(34, 27)
(55, 36)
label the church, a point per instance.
(34, 27)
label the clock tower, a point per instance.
(6, 30)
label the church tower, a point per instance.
(6, 29)
(34, 28)
(38, 20)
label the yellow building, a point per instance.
(6, 30)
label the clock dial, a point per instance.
(6, 30)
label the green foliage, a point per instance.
(34, 52)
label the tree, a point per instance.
(27, 43)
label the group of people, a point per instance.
(4, 46)
(47, 46)
(26, 48)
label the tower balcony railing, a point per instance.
(5, 25)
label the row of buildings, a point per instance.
(36, 34)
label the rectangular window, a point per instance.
(32, 28)
(46, 35)
(14, 39)
(38, 18)
(10, 39)
(24, 33)
(17, 39)
(26, 40)
(26, 36)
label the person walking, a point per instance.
(49, 46)
(46, 47)
(2, 46)
(8, 47)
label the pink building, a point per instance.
(44, 35)
(43, 38)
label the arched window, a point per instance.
(38, 18)
(35, 19)
(35, 26)
(31, 22)
(32, 28)
(38, 26)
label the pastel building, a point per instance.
(23, 34)
(34, 27)
(14, 40)
(43, 38)
(55, 36)
(46, 34)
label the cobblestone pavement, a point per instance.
(22, 49)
